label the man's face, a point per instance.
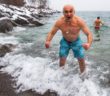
(68, 13)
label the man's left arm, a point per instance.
(88, 33)
(102, 23)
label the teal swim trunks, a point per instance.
(76, 47)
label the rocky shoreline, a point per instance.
(6, 88)
(11, 16)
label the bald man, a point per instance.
(70, 26)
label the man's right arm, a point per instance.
(51, 35)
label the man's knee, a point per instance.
(62, 61)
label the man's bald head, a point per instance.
(68, 11)
(68, 7)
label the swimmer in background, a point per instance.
(97, 25)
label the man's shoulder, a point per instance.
(79, 20)
(59, 21)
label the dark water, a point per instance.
(31, 45)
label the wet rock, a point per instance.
(13, 2)
(7, 89)
(50, 93)
(5, 25)
(1, 15)
(21, 21)
(36, 22)
(22, 16)
(27, 21)
(6, 49)
(28, 93)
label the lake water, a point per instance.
(37, 68)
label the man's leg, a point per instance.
(82, 65)
(97, 33)
(62, 61)
(63, 52)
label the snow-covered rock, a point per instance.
(22, 16)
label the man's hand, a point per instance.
(47, 44)
(86, 46)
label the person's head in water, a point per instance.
(98, 17)
(68, 11)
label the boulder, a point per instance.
(13, 2)
(5, 25)
(21, 21)
(36, 22)
(6, 48)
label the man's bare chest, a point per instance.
(70, 28)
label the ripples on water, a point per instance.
(36, 68)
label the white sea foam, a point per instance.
(18, 29)
(40, 75)
(8, 40)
